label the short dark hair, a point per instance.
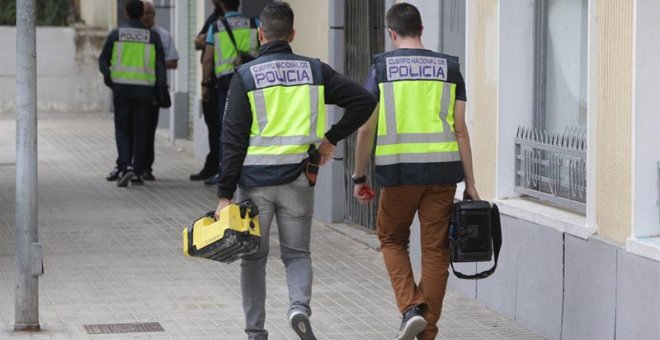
(405, 20)
(231, 5)
(277, 21)
(134, 9)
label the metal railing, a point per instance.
(364, 37)
(552, 167)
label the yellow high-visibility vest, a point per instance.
(244, 31)
(133, 58)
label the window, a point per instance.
(551, 154)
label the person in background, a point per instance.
(210, 106)
(223, 54)
(422, 151)
(273, 144)
(133, 79)
(171, 63)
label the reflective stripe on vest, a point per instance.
(285, 138)
(133, 58)
(225, 53)
(412, 128)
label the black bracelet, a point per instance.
(359, 180)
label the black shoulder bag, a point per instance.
(243, 57)
(475, 235)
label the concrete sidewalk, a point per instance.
(113, 255)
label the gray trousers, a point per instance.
(292, 205)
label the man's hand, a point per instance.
(221, 205)
(205, 94)
(200, 41)
(326, 151)
(363, 193)
(470, 193)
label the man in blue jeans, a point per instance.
(275, 122)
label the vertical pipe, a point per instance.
(27, 288)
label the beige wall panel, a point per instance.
(481, 83)
(312, 29)
(614, 117)
(98, 13)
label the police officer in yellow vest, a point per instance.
(133, 66)
(275, 118)
(230, 40)
(422, 151)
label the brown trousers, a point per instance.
(396, 210)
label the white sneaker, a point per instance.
(300, 323)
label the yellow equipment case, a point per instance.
(235, 234)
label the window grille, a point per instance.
(552, 167)
(364, 37)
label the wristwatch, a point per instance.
(359, 180)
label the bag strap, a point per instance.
(497, 244)
(230, 33)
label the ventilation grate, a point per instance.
(124, 328)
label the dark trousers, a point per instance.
(131, 131)
(153, 124)
(210, 111)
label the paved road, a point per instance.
(113, 255)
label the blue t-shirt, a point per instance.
(209, 34)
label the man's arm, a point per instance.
(207, 69)
(171, 54)
(235, 137)
(171, 64)
(464, 148)
(161, 71)
(200, 42)
(363, 147)
(357, 101)
(104, 58)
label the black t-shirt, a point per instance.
(372, 85)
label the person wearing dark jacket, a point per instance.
(133, 66)
(274, 138)
(210, 107)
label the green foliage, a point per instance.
(49, 12)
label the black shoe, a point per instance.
(113, 175)
(300, 324)
(137, 180)
(213, 180)
(201, 176)
(412, 324)
(148, 176)
(124, 178)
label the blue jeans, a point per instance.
(292, 205)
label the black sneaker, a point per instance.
(137, 180)
(148, 176)
(412, 324)
(113, 175)
(212, 180)
(124, 178)
(300, 324)
(201, 176)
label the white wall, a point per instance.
(97, 13)
(430, 11)
(67, 71)
(646, 119)
(516, 84)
